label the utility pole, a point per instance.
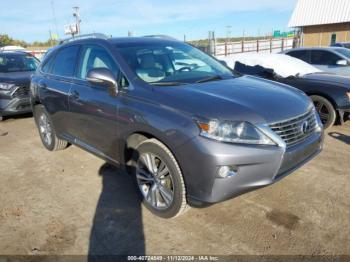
(228, 33)
(77, 18)
(54, 18)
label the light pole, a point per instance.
(77, 18)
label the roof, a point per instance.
(11, 48)
(125, 41)
(335, 48)
(319, 12)
(14, 52)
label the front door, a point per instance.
(328, 61)
(93, 110)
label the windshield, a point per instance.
(172, 63)
(17, 63)
(344, 52)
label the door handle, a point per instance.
(75, 95)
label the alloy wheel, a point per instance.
(45, 129)
(155, 181)
(323, 111)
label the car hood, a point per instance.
(245, 98)
(16, 77)
(329, 78)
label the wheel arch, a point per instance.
(134, 139)
(326, 96)
(339, 117)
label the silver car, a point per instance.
(329, 59)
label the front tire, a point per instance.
(325, 110)
(46, 130)
(159, 179)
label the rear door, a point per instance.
(93, 110)
(56, 83)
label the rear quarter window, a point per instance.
(300, 54)
(46, 67)
(65, 61)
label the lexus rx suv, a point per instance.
(190, 131)
(16, 67)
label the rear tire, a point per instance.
(325, 110)
(159, 179)
(46, 130)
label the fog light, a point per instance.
(227, 171)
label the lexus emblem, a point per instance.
(304, 126)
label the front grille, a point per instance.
(21, 91)
(295, 130)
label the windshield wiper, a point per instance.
(210, 78)
(167, 83)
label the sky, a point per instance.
(32, 20)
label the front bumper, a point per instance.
(344, 113)
(258, 166)
(14, 105)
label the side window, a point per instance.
(300, 54)
(65, 60)
(320, 57)
(46, 68)
(96, 57)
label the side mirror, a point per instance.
(103, 77)
(223, 63)
(342, 62)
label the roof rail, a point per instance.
(161, 36)
(78, 37)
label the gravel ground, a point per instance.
(70, 202)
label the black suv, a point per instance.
(16, 67)
(186, 127)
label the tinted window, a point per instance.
(300, 54)
(320, 57)
(96, 57)
(17, 63)
(46, 68)
(64, 61)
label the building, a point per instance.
(322, 22)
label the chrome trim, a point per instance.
(295, 130)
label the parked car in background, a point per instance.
(16, 67)
(12, 48)
(329, 59)
(346, 45)
(195, 134)
(329, 92)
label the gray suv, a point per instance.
(188, 129)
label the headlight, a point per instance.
(348, 95)
(6, 86)
(234, 132)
